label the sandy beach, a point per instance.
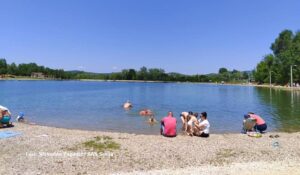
(49, 150)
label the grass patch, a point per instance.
(223, 157)
(226, 153)
(101, 144)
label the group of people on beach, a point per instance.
(191, 125)
(194, 126)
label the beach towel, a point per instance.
(7, 134)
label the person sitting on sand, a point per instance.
(146, 112)
(5, 117)
(152, 120)
(127, 105)
(191, 123)
(202, 126)
(260, 125)
(168, 125)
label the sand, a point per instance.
(49, 150)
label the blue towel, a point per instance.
(7, 134)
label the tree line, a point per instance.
(155, 74)
(27, 69)
(143, 74)
(284, 57)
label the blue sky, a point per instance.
(192, 36)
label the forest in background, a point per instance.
(285, 55)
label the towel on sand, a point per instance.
(7, 134)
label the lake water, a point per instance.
(98, 105)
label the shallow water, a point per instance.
(98, 105)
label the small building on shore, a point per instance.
(38, 75)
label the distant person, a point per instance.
(146, 112)
(127, 105)
(152, 120)
(21, 117)
(5, 117)
(168, 126)
(260, 124)
(202, 126)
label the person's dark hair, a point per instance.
(246, 116)
(190, 113)
(250, 112)
(196, 114)
(204, 114)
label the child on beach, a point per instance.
(21, 117)
(191, 123)
(185, 117)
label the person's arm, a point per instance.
(162, 121)
(200, 125)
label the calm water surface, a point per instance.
(98, 105)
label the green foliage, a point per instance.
(223, 70)
(286, 52)
(144, 74)
(101, 144)
(3, 66)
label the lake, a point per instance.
(98, 105)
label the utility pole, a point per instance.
(270, 74)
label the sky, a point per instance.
(186, 36)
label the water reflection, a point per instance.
(284, 108)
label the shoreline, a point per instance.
(145, 154)
(277, 87)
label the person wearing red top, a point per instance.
(168, 126)
(260, 123)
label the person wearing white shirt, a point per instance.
(202, 126)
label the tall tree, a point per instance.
(3, 66)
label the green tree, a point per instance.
(223, 70)
(3, 66)
(12, 69)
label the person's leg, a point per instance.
(261, 128)
(183, 125)
(189, 130)
(196, 131)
